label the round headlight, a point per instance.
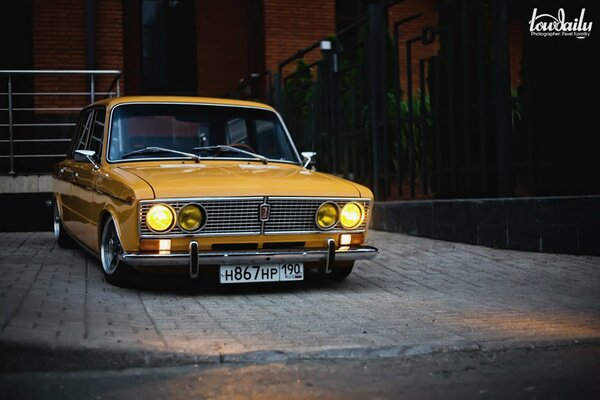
(190, 217)
(327, 215)
(160, 218)
(352, 215)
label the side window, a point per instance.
(81, 132)
(83, 139)
(97, 135)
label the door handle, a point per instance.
(64, 171)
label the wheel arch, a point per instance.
(105, 215)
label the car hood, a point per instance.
(224, 179)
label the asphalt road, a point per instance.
(565, 372)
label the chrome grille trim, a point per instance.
(239, 216)
(230, 216)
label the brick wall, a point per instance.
(59, 43)
(59, 40)
(109, 39)
(290, 27)
(229, 44)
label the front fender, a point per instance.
(126, 222)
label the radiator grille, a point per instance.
(240, 216)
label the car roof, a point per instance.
(111, 102)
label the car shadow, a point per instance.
(179, 284)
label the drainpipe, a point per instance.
(502, 100)
(90, 42)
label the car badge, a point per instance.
(265, 212)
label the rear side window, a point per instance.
(95, 143)
(82, 132)
(90, 131)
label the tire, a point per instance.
(62, 238)
(115, 272)
(339, 272)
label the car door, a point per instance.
(85, 224)
(66, 175)
(80, 175)
(88, 175)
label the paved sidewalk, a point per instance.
(418, 294)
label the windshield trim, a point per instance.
(202, 159)
(285, 129)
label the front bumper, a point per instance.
(195, 258)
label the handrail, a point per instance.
(54, 108)
(60, 71)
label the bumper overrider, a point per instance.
(194, 258)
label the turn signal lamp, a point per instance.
(155, 244)
(345, 239)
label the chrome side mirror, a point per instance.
(309, 159)
(86, 156)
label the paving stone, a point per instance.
(417, 292)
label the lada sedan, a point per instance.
(198, 185)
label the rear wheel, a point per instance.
(62, 238)
(115, 272)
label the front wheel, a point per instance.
(339, 272)
(115, 272)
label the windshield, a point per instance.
(183, 130)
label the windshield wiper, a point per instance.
(153, 149)
(222, 147)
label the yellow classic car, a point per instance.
(206, 186)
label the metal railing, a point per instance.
(435, 137)
(29, 111)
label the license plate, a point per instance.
(261, 273)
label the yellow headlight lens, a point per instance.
(327, 215)
(352, 215)
(190, 217)
(160, 218)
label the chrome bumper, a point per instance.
(344, 253)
